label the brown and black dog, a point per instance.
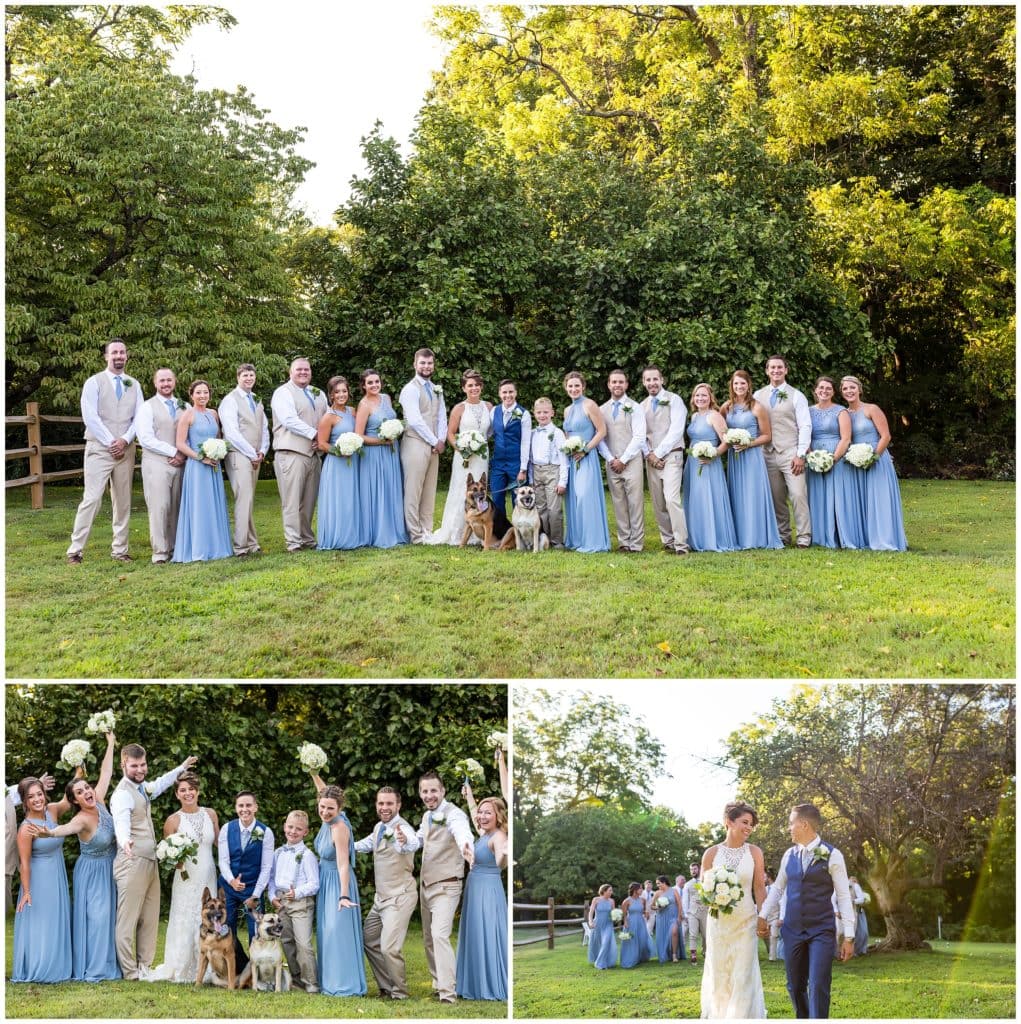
(478, 512)
(216, 944)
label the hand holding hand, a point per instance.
(847, 949)
(762, 928)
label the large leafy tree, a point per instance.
(909, 779)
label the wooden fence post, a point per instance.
(35, 457)
(549, 922)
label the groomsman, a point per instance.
(109, 403)
(791, 424)
(386, 925)
(156, 430)
(134, 867)
(694, 913)
(622, 450)
(245, 847)
(810, 873)
(246, 429)
(297, 409)
(446, 839)
(508, 465)
(423, 440)
(679, 883)
(665, 418)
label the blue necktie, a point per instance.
(118, 387)
(171, 407)
(308, 395)
(772, 397)
(429, 390)
(616, 409)
(379, 833)
(251, 403)
(141, 789)
(245, 836)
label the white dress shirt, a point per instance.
(838, 873)
(637, 443)
(545, 450)
(121, 803)
(290, 872)
(265, 867)
(690, 902)
(90, 408)
(145, 430)
(674, 437)
(13, 795)
(409, 399)
(372, 840)
(455, 821)
(285, 413)
(232, 429)
(526, 430)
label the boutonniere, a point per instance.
(179, 405)
(389, 836)
(127, 382)
(660, 402)
(820, 853)
(781, 396)
(316, 393)
(628, 408)
(257, 834)
(517, 414)
(438, 390)
(550, 436)
(256, 399)
(298, 856)
(438, 819)
(150, 788)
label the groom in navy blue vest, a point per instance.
(810, 872)
(512, 441)
(246, 859)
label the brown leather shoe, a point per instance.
(122, 558)
(75, 558)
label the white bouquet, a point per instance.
(469, 443)
(390, 430)
(574, 445)
(470, 770)
(720, 890)
(625, 936)
(74, 753)
(214, 448)
(738, 436)
(702, 450)
(347, 444)
(312, 758)
(861, 455)
(866, 898)
(819, 461)
(101, 722)
(662, 902)
(177, 847)
(616, 915)
(498, 740)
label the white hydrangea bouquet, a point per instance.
(662, 902)
(819, 460)
(616, 915)
(469, 443)
(574, 445)
(390, 430)
(738, 436)
(470, 770)
(625, 935)
(702, 450)
(498, 740)
(74, 753)
(720, 890)
(347, 444)
(861, 455)
(101, 722)
(177, 847)
(312, 758)
(214, 448)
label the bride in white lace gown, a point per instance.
(472, 414)
(180, 957)
(731, 980)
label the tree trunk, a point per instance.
(901, 932)
(888, 878)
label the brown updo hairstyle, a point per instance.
(26, 785)
(189, 777)
(572, 375)
(829, 380)
(605, 888)
(331, 385)
(499, 809)
(332, 793)
(471, 374)
(69, 791)
(366, 374)
(196, 384)
(749, 399)
(734, 810)
(854, 380)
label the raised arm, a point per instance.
(105, 770)
(501, 764)
(466, 792)
(317, 781)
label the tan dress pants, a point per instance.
(385, 929)
(627, 494)
(420, 466)
(243, 477)
(438, 905)
(101, 468)
(138, 913)
(298, 483)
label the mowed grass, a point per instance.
(946, 608)
(137, 999)
(954, 980)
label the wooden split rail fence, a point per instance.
(549, 923)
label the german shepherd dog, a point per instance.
(217, 945)
(478, 512)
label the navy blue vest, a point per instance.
(809, 893)
(507, 440)
(248, 862)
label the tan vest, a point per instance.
(286, 441)
(440, 856)
(394, 872)
(430, 410)
(251, 425)
(782, 423)
(117, 416)
(11, 835)
(163, 426)
(619, 431)
(657, 421)
(142, 834)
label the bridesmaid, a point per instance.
(602, 928)
(747, 481)
(93, 946)
(339, 951)
(635, 950)
(482, 935)
(382, 489)
(42, 921)
(666, 920)
(836, 522)
(877, 486)
(593, 941)
(706, 499)
(585, 503)
(339, 525)
(203, 530)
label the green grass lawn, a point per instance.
(134, 999)
(946, 608)
(955, 980)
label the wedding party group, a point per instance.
(110, 930)
(373, 475)
(810, 914)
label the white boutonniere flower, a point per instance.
(257, 834)
(820, 853)
(781, 396)
(298, 856)
(150, 788)
(316, 393)
(660, 402)
(389, 836)
(438, 819)
(127, 382)
(438, 390)
(628, 408)
(516, 414)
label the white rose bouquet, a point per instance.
(662, 902)
(390, 430)
(819, 461)
(861, 455)
(616, 915)
(738, 436)
(720, 890)
(625, 935)
(101, 722)
(470, 770)
(177, 847)
(574, 445)
(214, 448)
(347, 444)
(312, 758)
(74, 753)
(702, 450)
(469, 443)
(498, 740)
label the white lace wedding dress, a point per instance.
(731, 980)
(474, 417)
(180, 957)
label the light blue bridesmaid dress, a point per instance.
(836, 519)
(585, 502)
(635, 950)
(339, 523)
(706, 501)
(593, 943)
(751, 500)
(203, 529)
(382, 486)
(880, 492)
(665, 921)
(604, 937)
(482, 935)
(42, 932)
(94, 908)
(339, 951)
